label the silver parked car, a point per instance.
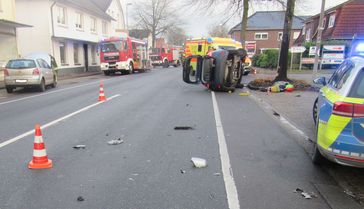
(29, 72)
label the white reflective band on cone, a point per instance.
(38, 139)
(39, 153)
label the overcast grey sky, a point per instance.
(197, 22)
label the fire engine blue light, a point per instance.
(209, 40)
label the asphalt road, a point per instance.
(152, 168)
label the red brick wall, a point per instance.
(272, 41)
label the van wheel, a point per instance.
(42, 86)
(54, 84)
(9, 89)
(166, 64)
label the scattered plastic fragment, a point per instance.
(199, 162)
(115, 141)
(182, 171)
(80, 199)
(131, 179)
(183, 128)
(244, 93)
(306, 195)
(276, 114)
(350, 193)
(217, 174)
(135, 174)
(80, 146)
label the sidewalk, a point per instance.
(296, 107)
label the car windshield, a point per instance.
(20, 64)
(111, 46)
(226, 47)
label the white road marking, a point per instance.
(52, 92)
(231, 191)
(7, 142)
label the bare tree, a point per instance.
(157, 16)
(176, 36)
(218, 31)
(283, 57)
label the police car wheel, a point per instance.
(314, 111)
(317, 158)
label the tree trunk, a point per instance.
(153, 38)
(283, 58)
(244, 22)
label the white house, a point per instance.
(115, 10)
(67, 29)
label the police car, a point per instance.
(339, 114)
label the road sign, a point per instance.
(313, 51)
(297, 49)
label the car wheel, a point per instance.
(314, 111)
(42, 86)
(131, 68)
(9, 89)
(316, 157)
(54, 84)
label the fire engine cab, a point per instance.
(124, 55)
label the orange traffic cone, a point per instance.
(40, 159)
(102, 97)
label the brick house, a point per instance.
(265, 30)
(341, 22)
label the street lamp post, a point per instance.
(126, 14)
(318, 40)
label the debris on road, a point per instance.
(199, 162)
(115, 141)
(79, 146)
(298, 95)
(80, 199)
(107, 135)
(135, 174)
(182, 171)
(183, 128)
(187, 105)
(217, 174)
(276, 114)
(306, 195)
(131, 179)
(244, 93)
(350, 193)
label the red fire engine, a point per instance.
(124, 55)
(166, 56)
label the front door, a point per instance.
(85, 52)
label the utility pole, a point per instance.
(320, 28)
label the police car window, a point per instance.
(344, 78)
(357, 90)
(339, 73)
(199, 48)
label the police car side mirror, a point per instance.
(320, 81)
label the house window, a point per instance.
(331, 21)
(93, 54)
(296, 35)
(79, 20)
(308, 34)
(61, 16)
(304, 30)
(76, 54)
(93, 24)
(324, 23)
(280, 36)
(104, 27)
(62, 52)
(261, 36)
